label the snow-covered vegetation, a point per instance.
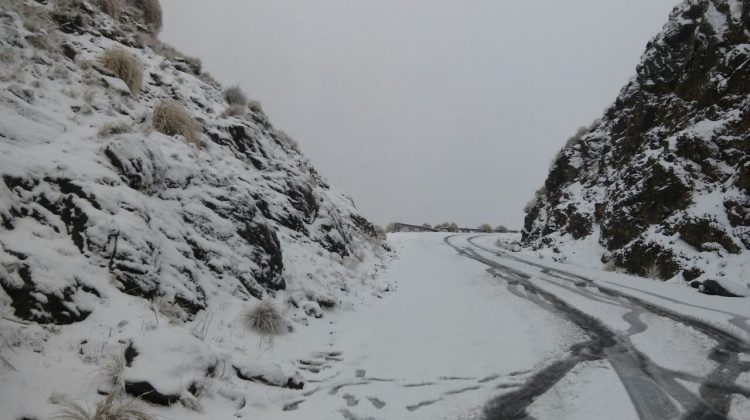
(138, 222)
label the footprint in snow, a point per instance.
(351, 400)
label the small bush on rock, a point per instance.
(234, 96)
(171, 118)
(124, 65)
(265, 319)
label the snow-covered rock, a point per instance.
(112, 232)
(660, 184)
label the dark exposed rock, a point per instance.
(291, 382)
(699, 232)
(712, 287)
(641, 256)
(148, 393)
(141, 213)
(675, 140)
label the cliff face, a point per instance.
(661, 181)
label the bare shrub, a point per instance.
(152, 14)
(235, 96)
(171, 118)
(124, 65)
(265, 319)
(110, 408)
(485, 228)
(110, 7)
(113, 129)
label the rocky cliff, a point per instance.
(108, 225)
(660, 183)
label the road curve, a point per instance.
(654, 390)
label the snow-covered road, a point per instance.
(471, 331)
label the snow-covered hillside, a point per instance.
(117, 239)
(659, 185)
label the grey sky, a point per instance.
(424, 110)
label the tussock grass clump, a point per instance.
(171, 118)
(110, 7)
(265, 319)
(152, 14)
(124, 65)
(235, 96)
(110, 408)
(113, 129)
(113, 369)
(255, 106)
(235, 110)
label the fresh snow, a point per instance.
(591, 390)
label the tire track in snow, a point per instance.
(651, 388)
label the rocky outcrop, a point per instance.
(661, 180)
(85, 208)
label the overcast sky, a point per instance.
(424, 110)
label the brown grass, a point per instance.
(152, 14)
(110, 7)
(171, 118)
(124, 65)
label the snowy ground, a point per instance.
(468, 330)
(451, 336)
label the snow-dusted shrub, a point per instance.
(111, 129)
(255, 106)
(171, 118)
(284, 137)
(110, 7)
(265, 319)
(124, 65)
(235, 110)
(111, 408)
(235, 96)
(380, 232)
(151, 13)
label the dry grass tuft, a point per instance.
(113, 129)
(152, 14)
(124, 65)
(235, 96)
(110, 408)
(255, 106)
(235, 110)
(171, 118)
(653, 272)
(110, 7)
(113, 369)
(265, 319)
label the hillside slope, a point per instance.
(117, 238)
(659, 185)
